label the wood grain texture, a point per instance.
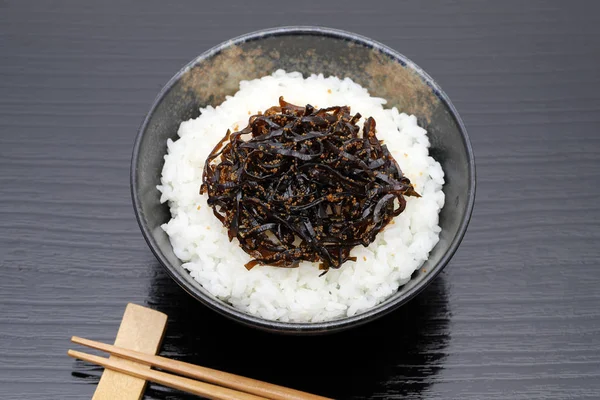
(515, 315)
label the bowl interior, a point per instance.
(216, 74)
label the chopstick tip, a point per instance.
(75, 339)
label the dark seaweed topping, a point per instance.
(301, 184)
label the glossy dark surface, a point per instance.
(309, 50)
(515, 315)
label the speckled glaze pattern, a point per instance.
(384, 72)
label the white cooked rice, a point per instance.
(299, 294)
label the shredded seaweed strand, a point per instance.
(300, 184)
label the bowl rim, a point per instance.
(306, 327)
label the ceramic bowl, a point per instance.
(384, 72)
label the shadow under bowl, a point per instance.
(215, 74)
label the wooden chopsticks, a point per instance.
(173, 381)
(222, 386)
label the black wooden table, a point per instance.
(515, 315)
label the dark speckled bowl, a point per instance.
(384, 72)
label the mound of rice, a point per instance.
(299, 294)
